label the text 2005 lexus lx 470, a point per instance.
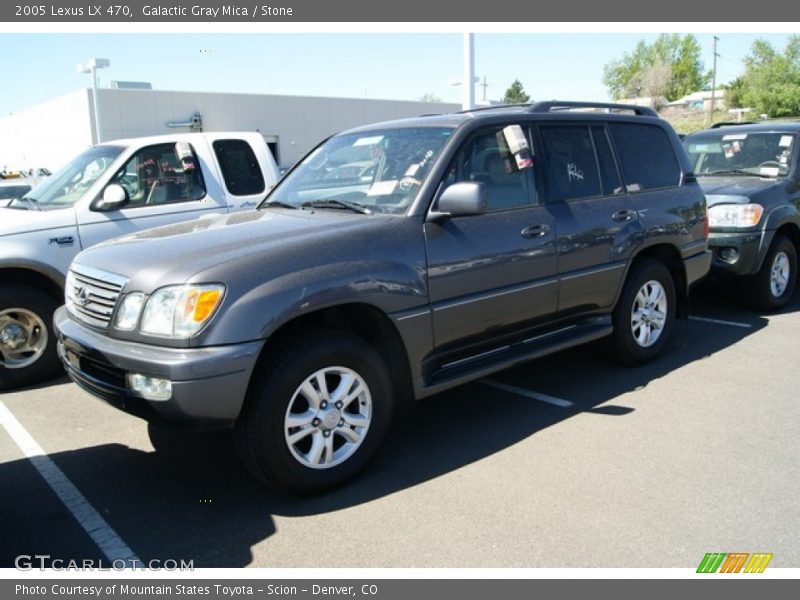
(394, 261)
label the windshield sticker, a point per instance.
(382, 188)
(786, 141)
(770, 171)
(368, 141)
(731, 137)
(412, 170)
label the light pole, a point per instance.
(468, 99)
(91, 66)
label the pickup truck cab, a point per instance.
(394, 261)
(115, 188)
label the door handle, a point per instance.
(624, 215)
(535, 231)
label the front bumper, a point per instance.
(736, 253)
(208, 384)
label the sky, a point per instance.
(401, 66)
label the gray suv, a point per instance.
(462, 244)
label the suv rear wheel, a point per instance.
(772, 287)
(645, 314)
(317, 415)
(27, 342)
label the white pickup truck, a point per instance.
(110, 190)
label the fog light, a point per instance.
(150, 388)
(729, 254)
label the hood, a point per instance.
(20, 220)
(737, 189)
(174, 253)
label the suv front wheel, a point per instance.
(317, 415)
(645, 313)
(772, 287)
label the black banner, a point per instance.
(306, 11)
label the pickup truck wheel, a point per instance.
(27, 342)
(772, 287)
(644, 316)
(317, 415)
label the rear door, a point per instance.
(488, 273)
(597, 221)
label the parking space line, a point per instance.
(721, 322)
(111, 544)
(527, 393)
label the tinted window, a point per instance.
(571, 163)
(240, 167)
(157, 175)
(647, 157)
(487, 159)
(609, 176)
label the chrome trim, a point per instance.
(594, 271)
(423, 313)
(91, 295)
(531, 286)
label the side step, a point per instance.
(466, 369)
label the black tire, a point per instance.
(623, 342)
(261, 438)
(758, 288)
(40, 305)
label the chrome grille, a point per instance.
(91, 295)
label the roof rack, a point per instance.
(556, 105)
(493, 107)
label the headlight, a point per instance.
(180, 310)
(129, 310)
(735, 215)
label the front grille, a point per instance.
(91, 295)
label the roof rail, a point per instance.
(493, 107)
(556, 105)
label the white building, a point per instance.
(49, 134)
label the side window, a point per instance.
(646, 155)
(609, 177)
(240, 169)
(571, 162)
(156, 175)
(486, 158)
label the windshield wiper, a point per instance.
(339, 204)
(731, 172)
(30, 202)
(278, 204)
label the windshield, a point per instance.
(380, 171)
(70, 183)
(722, 152)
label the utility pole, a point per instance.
(713, 84)
(485, 86)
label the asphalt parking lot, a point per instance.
(569, 461)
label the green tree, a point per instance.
(515, 94)
(771, 81)
(429, 97)
(680, 53)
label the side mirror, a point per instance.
(461, 200)
(114, 197)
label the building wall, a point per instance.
(51, 133)
(46, 135)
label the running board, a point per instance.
(480, 365)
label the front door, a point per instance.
(489, 273)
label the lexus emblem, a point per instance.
(81, 296)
